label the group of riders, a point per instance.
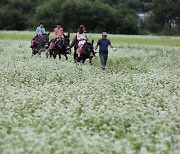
(80, 38)
(79, 41)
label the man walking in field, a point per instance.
(103, 49)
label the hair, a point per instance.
(81, 29)
(58, 23)
(41, 23)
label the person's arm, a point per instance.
(86, 37)
(62, 33)
(73, 42)
(110, 44)
(95, 48)
(55, 33)
(38, 31)
(44, 31)
(98, 43)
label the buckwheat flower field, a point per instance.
(57, 106)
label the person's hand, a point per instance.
(114, 49)
(68, 47)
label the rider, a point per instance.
(40, 30)
(80, 39)
(58, 35)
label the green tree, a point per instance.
(12, 19)
(95, 15)
(50, 13)
(113, 16)
(166, 13)
(126, 22)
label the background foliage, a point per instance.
(113, 16)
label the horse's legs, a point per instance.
(50, 52)
(90, 61)
(59, 56)
(39, 52)
(54, 55)
(83, 61)
(47, 53)
(75, 55)
(33, 52)
(78, 59)
(66, 57)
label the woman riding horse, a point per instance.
(80, 40)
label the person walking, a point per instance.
(103, 44)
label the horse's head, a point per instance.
(66, 40)
(65, 43)
(45, 40)
(90, 49)
(46, 37)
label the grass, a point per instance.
(56, 106)
(116, 39)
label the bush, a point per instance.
(126, 22)
(12, 20)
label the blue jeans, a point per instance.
(54, 40)
(103, 58)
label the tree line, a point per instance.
(113, 16)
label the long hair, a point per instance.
(81, 29)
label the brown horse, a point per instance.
(41, 45)
(60, 48)
(87, 53)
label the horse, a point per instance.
(41, 45)
(60, 48)
(87, 53)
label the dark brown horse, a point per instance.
(87, 53)
(60, 48)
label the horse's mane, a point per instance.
(41, 40)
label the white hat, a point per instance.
(104, 33)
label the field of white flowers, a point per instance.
(52, 106)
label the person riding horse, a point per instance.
(88, 53)
(58, 36)
(80, 40)
(60, 47)
(40, 31)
